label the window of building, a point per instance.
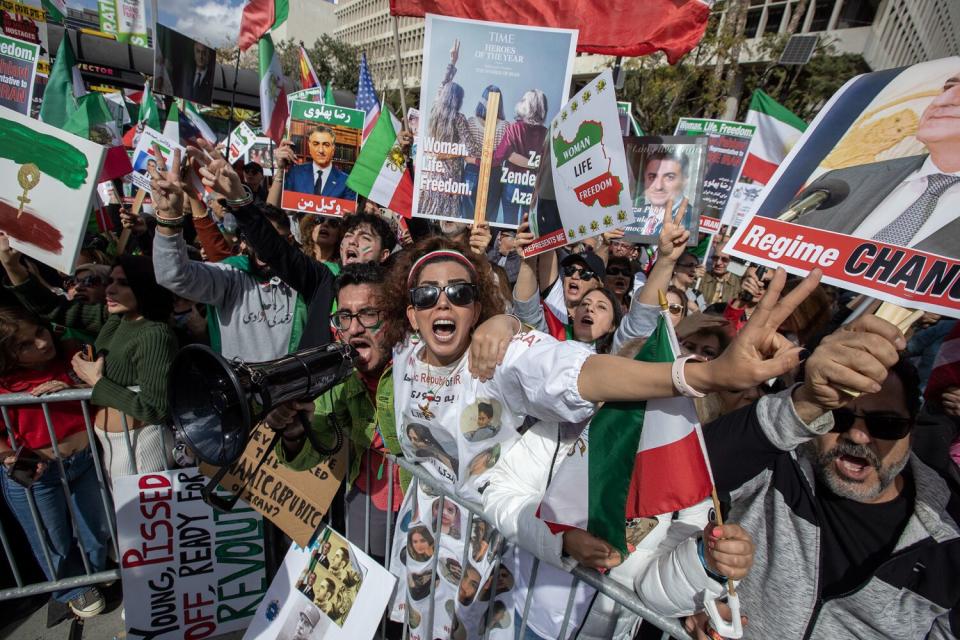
(774, 18)
(821, 15)
(857, 13)
(753, 22)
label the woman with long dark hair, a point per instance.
(134, 347)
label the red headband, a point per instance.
(448, 254)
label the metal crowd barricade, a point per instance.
(90, 577)
(603, 584)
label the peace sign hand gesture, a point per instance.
(167, 188)
(215, 172)
(673, 235)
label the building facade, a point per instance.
(307, 21)
(369, 25)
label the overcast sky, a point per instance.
(213, 23)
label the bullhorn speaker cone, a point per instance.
(215, 403)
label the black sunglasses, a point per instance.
(460, 294)
(618, 271)
(585, 274)
(880, 425)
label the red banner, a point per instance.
(611, 28)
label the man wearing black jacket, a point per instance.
(366, 238)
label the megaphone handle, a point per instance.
(312, 437)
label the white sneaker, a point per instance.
(88, 604)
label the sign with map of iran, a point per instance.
(583, 191)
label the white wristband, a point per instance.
(680, 381)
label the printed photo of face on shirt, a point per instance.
(426, 443)
(481, 420)
(483, 461)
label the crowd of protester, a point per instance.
(836, 472)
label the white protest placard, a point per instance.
(188, 571)
(587, 193)
(329, 590)
(145, 156)
(48, 178)
(463, 61)
(241, 139)
(18, 70)
(870, 193)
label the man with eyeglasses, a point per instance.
(856, 537)
(362, 406)
(719, 284)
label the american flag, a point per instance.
(367, 98)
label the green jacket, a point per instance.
(350, 403)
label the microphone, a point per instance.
(825, 194)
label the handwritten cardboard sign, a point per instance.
(295, 501)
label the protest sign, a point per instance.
(261, 152)
(329, 590)
(869, 194)
(241, 139)
(18, 68)
(26, 21)
(628, 125)
(125, 19)
(464, 60)
(188, 571)
(183, 67)
(583, 190)
(743, 202)
(313, 94)
(727, 144)
(328, 137)
(144, 156)
(664, 169)
(48, 178)
(295, 501)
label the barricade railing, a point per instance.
(89, 577)
(604, 585)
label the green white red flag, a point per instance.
(778, 129)
(380, 173)
(274, 110)
(259, 18)
(634, 459)
(94, 121)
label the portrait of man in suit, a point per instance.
(319, 176)
(196, 84)
(183, 67)
(912, 201)
(666, 171)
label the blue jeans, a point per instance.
(527, 633)
(92, 522)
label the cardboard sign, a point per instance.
(188, 571)
(18, 69)
(48, 179)
(531, 68)
(295, 501)
(241, 139)
(870, 193)
(583, 190)
(327, 138)
(329, 590)
(665, 169)
(727, 144)
(145, 155)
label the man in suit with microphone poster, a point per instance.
(871, 193)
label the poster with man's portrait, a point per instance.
(326, 139)
(464, 61)
(665, 170)
(330, 590)
(261, 152)
(183, 67)
(871, 192)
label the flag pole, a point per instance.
(233, 96)
(403, 93)
(731, 589)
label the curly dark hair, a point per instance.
(397, 295)
(11, 319)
